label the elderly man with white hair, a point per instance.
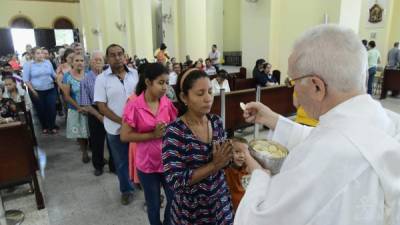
(95, 119)
(347, 169)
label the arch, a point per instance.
(21, 21)
(63, 23)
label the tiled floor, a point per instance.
(74, 196)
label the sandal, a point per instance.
(162, 201)
(45, 131)
(54, 131)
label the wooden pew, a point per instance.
(242, 84)
(18, 164)
(278, 98)
(391, 81)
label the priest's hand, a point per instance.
(256, 112)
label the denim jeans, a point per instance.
(371, 76)
(45, 106)
(119, 152)
(151, 183)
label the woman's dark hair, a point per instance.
(187, 84)
(10, 77)
(372, 44)
(222, 74)
(67, 52)
(163, 46)
(150, 71)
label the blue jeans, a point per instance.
(119, 152)
(151, 183)
(45, 106)
(371, 76)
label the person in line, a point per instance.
(77, 124)
(111, 91)
(95, 119)
(194, 154)
(39, 76)
(343, 171)
(144, 121)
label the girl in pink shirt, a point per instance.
(144, 121)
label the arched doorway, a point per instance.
(21, 22)
(22, 33)
(63, 23)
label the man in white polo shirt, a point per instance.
(112, 89)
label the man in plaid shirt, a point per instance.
(95, 119)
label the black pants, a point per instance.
(97, 138)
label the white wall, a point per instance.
(214, 25)
(255, 32)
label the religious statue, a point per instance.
(375, 14)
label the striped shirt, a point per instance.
(206, 202)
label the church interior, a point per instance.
(51, 170)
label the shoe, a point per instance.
(98, 172)
(126, 198)
(85, 157)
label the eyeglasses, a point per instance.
(292, 82)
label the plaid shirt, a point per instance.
(87, 89)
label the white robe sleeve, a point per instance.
(289, 133)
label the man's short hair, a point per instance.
(214, 46)
(112, 46)
(372, 44)
(396, 44)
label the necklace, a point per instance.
(190, 126)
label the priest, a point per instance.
(344, 171)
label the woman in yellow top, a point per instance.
(161, 54)
(301, 115)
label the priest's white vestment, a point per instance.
(345, 171)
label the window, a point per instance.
(21, 38)
(64, 36)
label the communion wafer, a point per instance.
(243, 106)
